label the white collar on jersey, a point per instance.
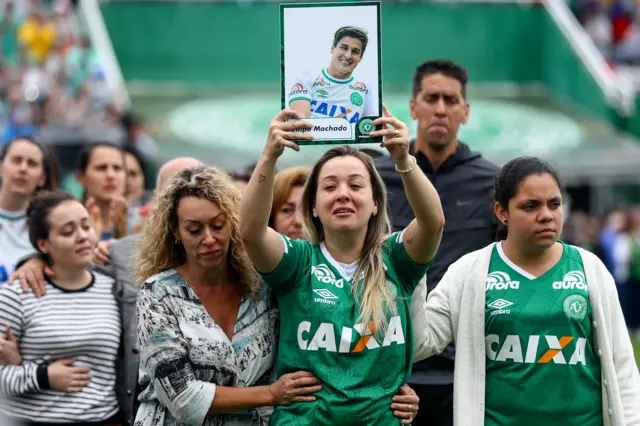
(347, 270)
(512, 265)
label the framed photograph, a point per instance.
(331, 70)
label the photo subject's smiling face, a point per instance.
(346, 55)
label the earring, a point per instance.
(176, 242)
(315, 214)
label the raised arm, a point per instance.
(164, 357)
(264, 246)
(422, 237)
(302, 107)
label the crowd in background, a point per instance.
(53, 89)
(52, 80)
(615, 238)
(613, 26)
(53, 85)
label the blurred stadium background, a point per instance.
(206, 76)
(552, 78)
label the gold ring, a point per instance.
(397, 133)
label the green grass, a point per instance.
(636, 347)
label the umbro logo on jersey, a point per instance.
(572, 280)
(325, 296)
(325, 275)
(500, 281)
(499, 306)
(325, 337)
(512, 349)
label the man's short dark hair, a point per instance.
(353, 32)
(440, 66)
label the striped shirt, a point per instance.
(83, 325)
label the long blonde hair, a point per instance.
(157, 250)
(371, 292)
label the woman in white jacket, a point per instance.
(539, 333)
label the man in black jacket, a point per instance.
(464, 180)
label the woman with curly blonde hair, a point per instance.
(206, 325)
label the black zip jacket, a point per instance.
(465, 184)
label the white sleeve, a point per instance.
(371, 106)
(431, 318)
(301, 88)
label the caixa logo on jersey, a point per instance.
(333, 339)
(500, 281)
(536, 349)
(336, 111)
(326, 275)
(298, 89)
(360, 87)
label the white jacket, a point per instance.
(454, 311)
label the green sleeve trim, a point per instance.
(299, 98)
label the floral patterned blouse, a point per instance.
(184, 354)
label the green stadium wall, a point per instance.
(227, 45)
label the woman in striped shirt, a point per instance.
(70, 337)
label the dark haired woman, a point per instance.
(101, 173)
(25, 168)
(545, 313)
(69, 338)
(138, 198)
